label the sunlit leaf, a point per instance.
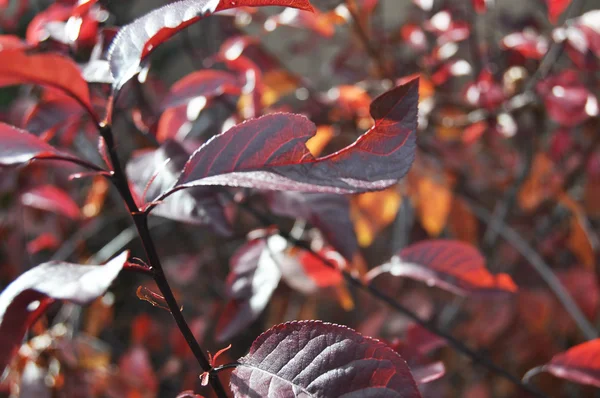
(25, 299)
(137, 40)
(450, 265)
(580, 364)
(270, 152)
(322, 360)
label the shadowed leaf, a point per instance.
(153, 172)
(252, 280)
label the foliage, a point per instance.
(432, 182)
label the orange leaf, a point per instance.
(372, 212)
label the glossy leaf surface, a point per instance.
(316, 359)
(270, 152)
(26, 298)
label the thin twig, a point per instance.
(140, 219)
(266, 220)
(543, 269)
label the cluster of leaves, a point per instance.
(439, 196)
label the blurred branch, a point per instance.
(540, 266)
(375, 53)
(480, 359)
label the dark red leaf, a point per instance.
(137, 40)
(319, 359)
(450, 265)
(26, 298)
(52, 199)
(270, 152)
(330, 213)
(19, 67)
(206, 83)
(153, 172)
(18, 146)
(253, 278)
(580, 364)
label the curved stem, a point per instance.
(140, 219)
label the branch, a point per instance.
(140, 219)
(374, 53)
(540, 266)
(266, 221)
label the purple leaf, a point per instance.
(136, 41)
(27, 297)
(253, 278)
(330, 213)
(317, 359)
(153, 172)
(270, 152)
(450, 265)
(18, 146)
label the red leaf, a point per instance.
(321, 359)
(18, 146)
(206, 83)
(527, 43)
(18, 67)
(580, 364)
(52, 199)
(556, 8)
(137, 40)
(567, 100)
(26, 298)
(153, 172)
(450, 265)
(270, 152)
(253, 278)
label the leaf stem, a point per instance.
(140, 219)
